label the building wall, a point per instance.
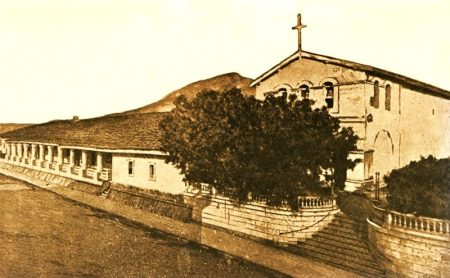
(425, 123)
(417, 124)
(166, 179)
(314, 74)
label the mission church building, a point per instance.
(398, 119)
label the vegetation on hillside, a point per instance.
(278, 148)
(421, 188)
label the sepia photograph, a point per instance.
(238, 138)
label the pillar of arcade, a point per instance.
(98, 171)
(25, 154)
(8, 151)
(83, 164)
(33, 154)
(19, 153)
(59, 158)
(72, 158)
(50, 156)
(41, 156)
(13, 151)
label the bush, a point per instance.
(421, 188)
(279, 147)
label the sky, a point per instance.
(60, 58)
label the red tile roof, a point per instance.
(128, 132)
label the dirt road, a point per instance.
(43, 235)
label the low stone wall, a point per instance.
(410, 246)
(153, 204)
(48, 177)
(258, 220)
(85, 187)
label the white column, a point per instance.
(60, 156)
(41, 152)
(50, 154)
(19, 152)
(8, 151)
(83, 163)
(99, 161)
(13, 150)
(98, 171)
(25, 150)
(83, 159)
(25, 153)
(72, 158)
(33, 152)
(41, 155)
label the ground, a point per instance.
(42, 234)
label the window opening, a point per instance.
(151, 171)
(329, 97)
(387, 100)
(130, 168)
(375, 99)
(304, 90)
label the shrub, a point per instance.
(279, 147)
(421, 188)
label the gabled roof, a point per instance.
(424, 87)
(124, 132)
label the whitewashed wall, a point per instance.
(256, 219)
(411, 246)
(167, 178)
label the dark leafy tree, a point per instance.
(422, 188)
(278, 147)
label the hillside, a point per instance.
(10, 127)
(218, 83)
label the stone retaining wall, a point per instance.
(258, 220)
(408, 248)
(48, 177)
(153, 204)
(162, 207)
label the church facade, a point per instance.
(397, 119)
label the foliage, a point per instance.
(278, 147)
(421, 188)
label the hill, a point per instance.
(218, 83)
(10, 127)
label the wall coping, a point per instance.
(310, 203)
(428, 227)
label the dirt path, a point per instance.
(42, 235)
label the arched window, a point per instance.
(387, 99)
(375, 99)
(278, 91)
(304, 90)
(282, 90)
(329, 97)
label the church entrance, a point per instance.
(383, 156)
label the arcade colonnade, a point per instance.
(89, 165)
